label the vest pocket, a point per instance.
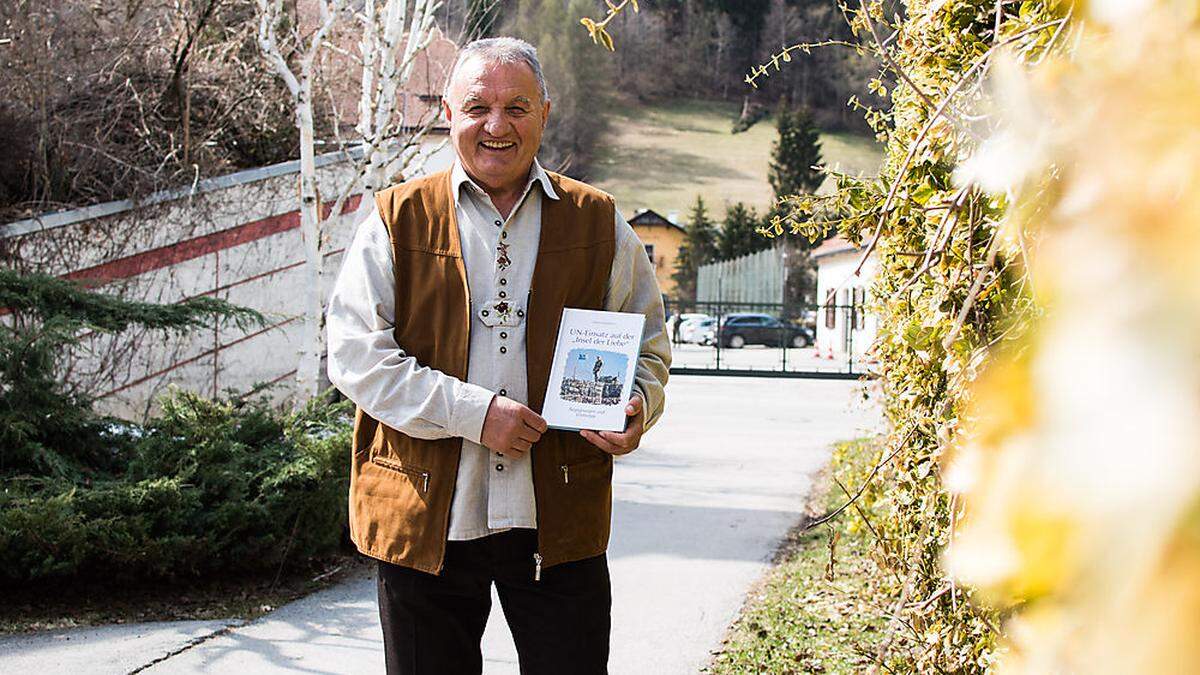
(420, 477)
(583, 469)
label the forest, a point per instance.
(115, 100)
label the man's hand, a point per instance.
(510, 428)
(626, 441)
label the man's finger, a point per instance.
(634, 406)
(522, 445)
(596, 440)
(530, 434)
(534, 420)
(624, 441)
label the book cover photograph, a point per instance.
(591, 378)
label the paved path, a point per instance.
(698, 511)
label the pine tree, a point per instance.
(48, 428)
(793, 155)
(699, 247)
(739, 235)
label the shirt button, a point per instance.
(503, 335)
(498, 223)
(504, 235)
(499, 467)
(503, 282)
(503, 349)
(503, 294)
(484, 312)
(520, 312)
(504, 392)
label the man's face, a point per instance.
(496, 116)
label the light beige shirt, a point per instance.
(493, 493)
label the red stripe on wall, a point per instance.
(90, 333)
(263, 275)
(198, 247)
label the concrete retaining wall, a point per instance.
(234, 237)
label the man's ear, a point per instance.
(545, 114)
(446, 109)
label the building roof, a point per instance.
(832, 246)
(650, 217)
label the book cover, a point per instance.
(592, 375)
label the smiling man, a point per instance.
(442, 327)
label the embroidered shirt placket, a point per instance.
(498, 300)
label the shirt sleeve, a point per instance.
(367, 365)
(632, 287)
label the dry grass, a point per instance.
(662, 156)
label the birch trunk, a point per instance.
(391, 40)
(309, 373)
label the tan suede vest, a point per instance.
(401, 488)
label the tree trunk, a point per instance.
(309, 373)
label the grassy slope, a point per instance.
(662, 156)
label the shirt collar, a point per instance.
(459, 177)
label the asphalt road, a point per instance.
(698, 511)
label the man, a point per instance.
(442, 328)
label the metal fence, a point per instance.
(755, 278)
(758, 339)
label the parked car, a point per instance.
(739, 330)
(679, 320)
(690, 330)
(701, 331)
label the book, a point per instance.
(591, 378)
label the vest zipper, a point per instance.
(566, 474)
(400, 468)
(537, 566)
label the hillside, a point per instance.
(661, 156)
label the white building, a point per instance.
(844, 328)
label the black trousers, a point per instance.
(433, 624)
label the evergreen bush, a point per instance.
(205, 486)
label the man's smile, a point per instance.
(498, 145)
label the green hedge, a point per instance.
(206, 486)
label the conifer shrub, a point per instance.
(204, 486)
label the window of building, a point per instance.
(650, 252)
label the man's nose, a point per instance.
(494, 125)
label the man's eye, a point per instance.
(514, 110)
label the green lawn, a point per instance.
(662, 156)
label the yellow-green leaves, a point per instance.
(599, 30)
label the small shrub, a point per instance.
(210, 487)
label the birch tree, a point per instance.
(393, 33)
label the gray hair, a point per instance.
(501, 50)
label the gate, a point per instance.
(824, 341)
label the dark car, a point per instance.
(739, 330)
